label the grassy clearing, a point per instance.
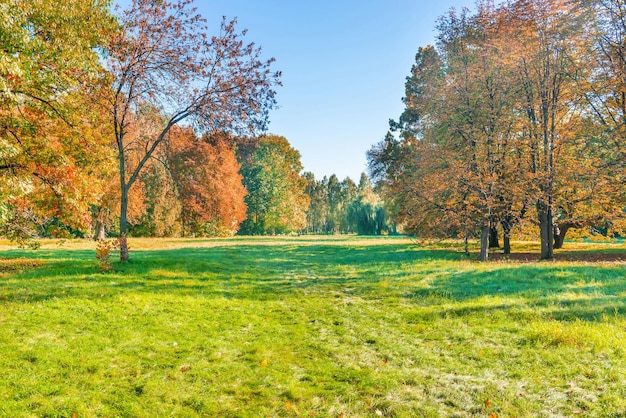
(301, 326)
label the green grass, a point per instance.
(316, 325)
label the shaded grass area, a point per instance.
(294, 327)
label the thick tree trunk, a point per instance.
(559, 235)
(546, 230)
(507, 244)
(493, 237)
(123, 225)
(484, 243)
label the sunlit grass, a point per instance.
(290, 326)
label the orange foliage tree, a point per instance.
(206, 174)
(51, 136)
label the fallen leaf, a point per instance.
(487, 403)
(184, 368)
(493, 415)
(288, 405)
(312, 413)
(263, 363)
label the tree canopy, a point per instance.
(50, 132)
(507, 119)
(276, 198)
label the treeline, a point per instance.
(516, 116)
(219, 185)
(343, 207)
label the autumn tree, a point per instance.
(546, 34)
(421, 182)
(162, 202)
(276, 197)
(164, 58)
(51, 138)
(605, 93)
(477, 112)
(206, 175)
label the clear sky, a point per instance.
(344, 64)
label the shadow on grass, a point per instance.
(261, 272)
(569, 292)
(243, 271)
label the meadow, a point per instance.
(311, 326)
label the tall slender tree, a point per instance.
(165, 58)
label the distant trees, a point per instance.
(501, 125)
(342, 207)
(329, 200)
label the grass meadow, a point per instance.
(310, 326)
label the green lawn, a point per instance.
(324, 326)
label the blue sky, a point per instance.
(344, 64)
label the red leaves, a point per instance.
(207, 177)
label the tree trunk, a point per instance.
(493, 238)
(546, 230)
(559, 236)
(100, 232)
(484, 243)
(123, 225)
(506, 236)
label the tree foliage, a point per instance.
(52, 138)
(206, 175)
(276, 199)
(343, 207)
